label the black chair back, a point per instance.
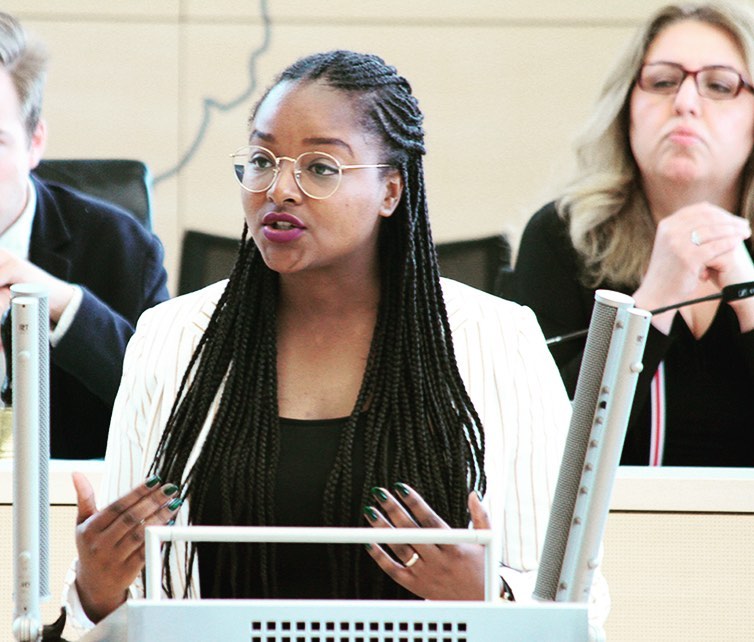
(476, 262)
(126, 183)
(207, 258)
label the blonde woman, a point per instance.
(661, 209)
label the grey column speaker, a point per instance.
(31, 505)
(601, 407)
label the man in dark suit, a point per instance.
(102, 269)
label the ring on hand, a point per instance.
(414, 559)
(695, 238)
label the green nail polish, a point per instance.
(171, 522)
(153, 481)
(169, 489)
(401, 488)
(176, 503)
(370, 513)
(479, 495)
(368, 547)
(379, 493)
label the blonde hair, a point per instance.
(609, 219)
(26, 62)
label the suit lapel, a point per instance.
(50, 237)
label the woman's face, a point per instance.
(295, 232)
(684, 138)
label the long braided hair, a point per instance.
(419, 425)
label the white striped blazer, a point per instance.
(505, 365)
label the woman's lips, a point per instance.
(684, 136)
(281, 227)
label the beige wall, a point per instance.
(504, 85)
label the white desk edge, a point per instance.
(637, 488)
(61, 487)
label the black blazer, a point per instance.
(119, 267)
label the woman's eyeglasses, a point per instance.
(717, 82)
(317, 174)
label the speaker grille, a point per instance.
(366, 630)
(44, 446)
(566, 491)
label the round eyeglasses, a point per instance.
(717, 82)
(317, 174)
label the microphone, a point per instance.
(733, 292)
(604, 395)
(30, 323)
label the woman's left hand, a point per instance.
(431, 571)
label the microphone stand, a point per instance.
(31, 406)
(734, 292)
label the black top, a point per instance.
(709, 415)
(307, 453)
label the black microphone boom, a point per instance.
(734, 292)
(738, 291)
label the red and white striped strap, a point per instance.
(657, 428)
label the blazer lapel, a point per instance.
(49, 235)
(207, 308)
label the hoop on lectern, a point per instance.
(156, 535)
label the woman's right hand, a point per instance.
(688, 244)
(110, 541)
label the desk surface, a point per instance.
(637, 488)
(684, 489)
(60, 487)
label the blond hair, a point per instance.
(26, 62)
(608, 215)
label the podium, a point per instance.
(491, 620)
(341, 621)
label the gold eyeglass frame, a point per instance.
(242, 151)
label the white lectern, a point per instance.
(334, 620)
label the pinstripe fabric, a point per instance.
(502, 358)
(657, 425)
